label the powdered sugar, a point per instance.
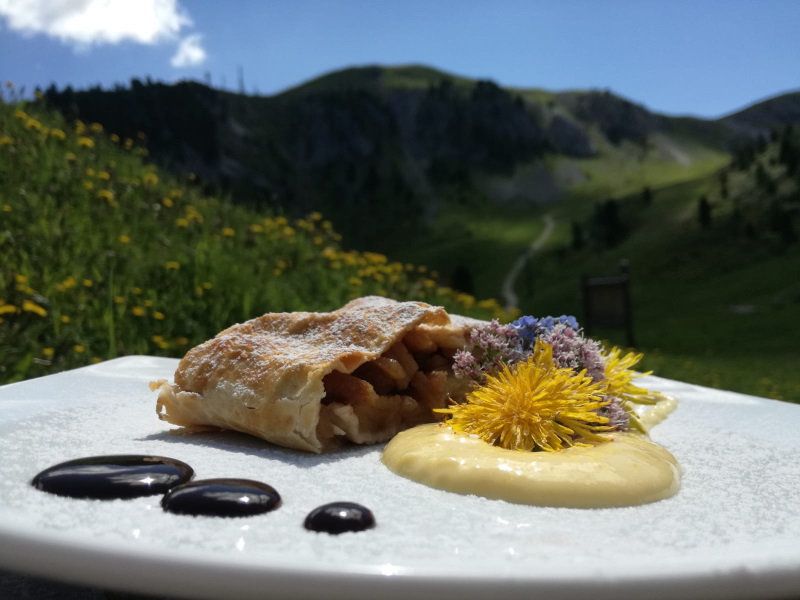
(737, 507)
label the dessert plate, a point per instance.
(730, 532)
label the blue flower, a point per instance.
(529, 328)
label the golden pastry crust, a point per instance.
(308, 380)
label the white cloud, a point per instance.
(190, 53)
(84, 23)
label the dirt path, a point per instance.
(509, 282)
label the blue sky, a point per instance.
(701, 57)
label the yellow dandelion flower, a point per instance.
(106, 195)
(317, 240)
(148, 303)
(69, 282)
(158, 316)
(80, 127)
(150, 179)
(79, 349)
(315, 216)
(30, 306)
(128, 144)
(277, 272)
(533, 406)
(20, 278)
(88, 185)
(6, 309)
(33, 124)
(137, 291)
(64, 319)
(104, 175)
(21, 114)
(167, 202)
(181, 222)
(288, 231)
(96, 127)
(256, 228)
(141, 135)
(207, 285)
(6, 141)
(228, 232)
(114, 138)
(6, 208)
(58, 134)
(87, 283)
(619, 376)
(90, 172)
(124, 239)
(182, 341)
(48, 351)
(355, 281)
(172, 265)
(71, 156)
(96, 359)
(176, 193)
(138, 311)
(85, 142)
(429, 283)
(119, 299)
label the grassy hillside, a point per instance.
(106, 255)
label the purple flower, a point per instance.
(573, 351)
(617, 415)
(529, 328)
(491, 346)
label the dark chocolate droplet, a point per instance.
(222, 498)
(338, 517)
(113, 477)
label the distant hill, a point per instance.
(383, 150)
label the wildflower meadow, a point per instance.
(105, 255)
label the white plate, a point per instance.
(732, 531)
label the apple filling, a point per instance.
(393, 392)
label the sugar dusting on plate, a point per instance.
(738, 501)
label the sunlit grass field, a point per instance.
(104, 255)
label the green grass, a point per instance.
(104, 255)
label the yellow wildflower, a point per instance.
(95, 360)
(119, 299)
(256, 228)
(106, 195)
(315, 216)
(87, 283)
(70, 156)
(128, 144)
(172, 265)
(355, 281)
(138, 311)
(114, 138)
(6, 208)
(64, 319)
(85, 142)
(167, 202)
(90, 172)
(21, 114)
(20, 278)
(533, 406)
(148, 303)
(96, 127)
(141, 135)
(6, 141)
(182, 341)
(159, 316)
(175, 193)
(6, 309)
(58, 134)
(48, 351)
(137, 291)
(207, 285)
(181, 222)
(288, 231)
(33, 124)
(150, 179)
(277, 272)
(228, 232)
(79, 349)
(88, 185)
(317, 240)
(104, 175)
(124, 239)
(68, 282)
(30, 306)
(619, 376)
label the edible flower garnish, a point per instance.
(619, 376)
(534, 405)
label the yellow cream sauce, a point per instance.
(626, 471)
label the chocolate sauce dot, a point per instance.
(113, 477)
(338, 517)
(222, 498)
